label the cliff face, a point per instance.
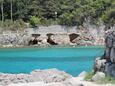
(107, 62)
(110, 53)
(110, 46)
(60, 35)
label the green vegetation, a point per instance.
(107, 79)
(89, 76)
(64, 12)
(34, 20)
(12, 25)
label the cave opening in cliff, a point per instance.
(34, 41)
(73, 36)
(49, 40)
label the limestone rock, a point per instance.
(28, 84)
(72, 82)
(61, 38)
(44, 41)
(50, 75)
(99, 65)
(46, 76)
(55, 84)
(98, 76)
(82, 74)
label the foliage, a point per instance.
(34, 20)
(107, 79)
(65, 12)
(12, 25)
(89, 76)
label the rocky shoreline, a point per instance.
(46, 76)
(49, 77)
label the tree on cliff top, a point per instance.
(65, 12)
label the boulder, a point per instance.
(99, 65)
(98, 76)
(110, 69)
(44, 41)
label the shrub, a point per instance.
(107, 79)
(13, 25)
(34, 21)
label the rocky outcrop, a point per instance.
(61, 39)
(74, 81)
(49, 36)
(14, 38)
(98, 76)
(107, 62)
(46, 76)
(84, 40)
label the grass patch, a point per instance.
(89, 76)
(106, 80)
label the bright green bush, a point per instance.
(34, 21)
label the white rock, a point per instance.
(61, 38)
(98, 76)
(50, 75)
(28, 84)
(55, 84)
(44, 41)
(74, 81)
(82, 74)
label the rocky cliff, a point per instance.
(50, 36)
(107, 62)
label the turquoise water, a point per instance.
(70, 60)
